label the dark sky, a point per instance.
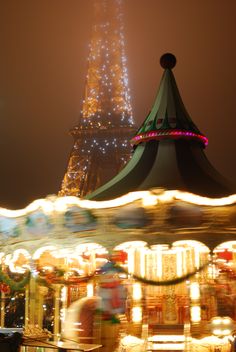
(43, 51)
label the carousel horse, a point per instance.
(80, 319)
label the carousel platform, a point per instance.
(166, 337)
(166, 342)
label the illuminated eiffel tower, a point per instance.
(101, 138)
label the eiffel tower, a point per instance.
(101, 137)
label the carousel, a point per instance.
(145, 263)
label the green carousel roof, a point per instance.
(168, 117)
(168, 150)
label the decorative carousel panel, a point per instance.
(38, 223)
(196, 253)
(121, 252)
(77, 219)
(225, 253)
(92, 255)
(20, 261)
(77, 266)
(184, 214)
(131, 216)
(9, 227)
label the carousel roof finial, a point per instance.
(168, 118)
(168, 61)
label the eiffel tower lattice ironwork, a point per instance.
(102, 136)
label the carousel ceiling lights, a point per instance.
(148, 198)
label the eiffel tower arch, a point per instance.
(101, 137)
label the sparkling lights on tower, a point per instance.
(101, 138)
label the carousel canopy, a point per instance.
(168, 150)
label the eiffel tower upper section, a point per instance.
(101, 137)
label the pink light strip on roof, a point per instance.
(176, 134)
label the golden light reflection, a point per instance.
(194, 291)
(90, 290)
(137, 291)
(136, 314)
(195, 313)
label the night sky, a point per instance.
(43, 52)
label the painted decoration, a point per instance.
(182, 214)
(130, 217)
(112, 292)
(120, 256)
(9, 227)
(77, 219)
(38, 223)
(225, 254)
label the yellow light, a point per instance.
(159, 263)
(11, 262)
(142, 263)
(48, 267)
(167, 347)
(130, 244)
(227, 321)
(130, 341)
(217, 332)
(136, 314)
(60, 253)
(137, 291)
(179, 262)
(226, 332)
(60, 203)
(46, 205)
(89, 248)
(131, 260)
(195, 313)
(167, 338)
(40, 251)
(90, 290)
(216, 321)
(222, 326)
(22, 251)
(7, 259)
(160, 247)
(117, 202)
(212, 341)
(16, 269)
(64, 294)
(149, 200)
(195, 199)
(194, 291)
(197, 257)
